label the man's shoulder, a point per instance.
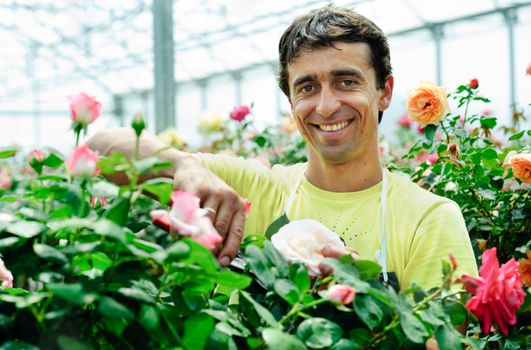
(287, 173)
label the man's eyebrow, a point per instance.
(352, 72)
(303, 79)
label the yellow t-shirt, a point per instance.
(421, 228)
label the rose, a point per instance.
(498, 292)
(404, 121)
(5, 276)
(528, 69)
(521, 165)
(210, 123)
(303, 240)
(427, 104)
(342, 294)
(35, 156)
(239, 113)
(5, 180)
(82, 162)
(84, 109)
(95, 200)
(188, 219)
(432, 158)
(473, 84)
(525, 269)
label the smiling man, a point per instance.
(335, 70)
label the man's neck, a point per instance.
(358, 174)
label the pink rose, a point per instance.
(342, 294)
(239, 113)
(5, 276)
(5, 180)
(303, 241)
(432, 158)
(188, 219)
(84, 109)
(498, 292)
(82, 162)
(528, 69)
(404, 121)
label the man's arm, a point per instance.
(188, 175)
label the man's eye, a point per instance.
(306, 89)
(348, 82)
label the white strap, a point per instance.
(291, 197)
(381, 254)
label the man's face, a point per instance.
(335, 100)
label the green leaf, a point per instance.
(118, 212)
(287, 290)
(260, 141)
(177, 251)
(69, 343)
(53, 160)
(489, 153)
(72, 293)
(429, 131)
(148, 317)
(136, 294)
(264, 313)
(448, 338)
(228, 281)
(412, 327)
(458, 314)
(17, 345)
(277, 261)
(104, 189)
(368, 310)
(8, 242)
(260, 265)
(346, 344)
(517, 136)
(145, 165)
(487, 194)
(319, 333)
(278, 340)
(26, 229)
(368, 269)
(7, 153)
(111, 308)
(487, 122)
(201, 256)
(276, 225)
(197, 329)
(9, 199)
(347, 274)
(49, 253)
(300, 278)
(160, 187)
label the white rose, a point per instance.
(303, 240)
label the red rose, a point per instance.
(473, 84)
(498, 292)
(239, 113)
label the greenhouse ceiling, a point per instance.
(51, 45)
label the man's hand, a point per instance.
(336, 253)
(225, 207)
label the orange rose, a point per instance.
(525, 269)
(427, 104)
(521, 164)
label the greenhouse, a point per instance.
(243, 174)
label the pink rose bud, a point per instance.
(95, 200)
(35, 156)
(404, 121)
(5, 180)
(239, 113)
(342, 294)
(161, 218)
(432, 158)
(82, 162)
(473, 84)
(420, 129)
(5, 276)
(84, 109)
(453, 261)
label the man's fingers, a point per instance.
(233, 239)
(337, 252)
(224, 217)
(325, 269)
(212, 207)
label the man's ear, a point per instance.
(386, 93)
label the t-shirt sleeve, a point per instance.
(440, 232)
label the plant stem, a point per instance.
(298, 308)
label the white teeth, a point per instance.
(333, 127)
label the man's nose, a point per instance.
(328, 103)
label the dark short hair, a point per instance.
(322, 28)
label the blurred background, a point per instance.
(179, 61)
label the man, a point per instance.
(335, 70)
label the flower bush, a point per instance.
(89, 264)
